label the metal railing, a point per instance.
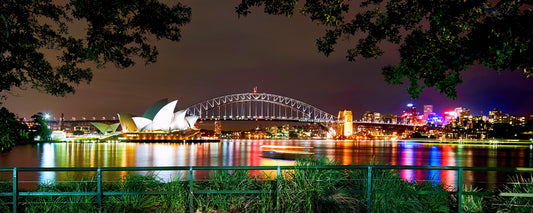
(459, 192)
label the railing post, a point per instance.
(99, 188)
(191, 194)
(369, 190)
(277, 189)
(460, 190)
(15, 190)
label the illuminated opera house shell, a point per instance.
(160, 117)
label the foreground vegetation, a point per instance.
(298, 190)
(14, 131)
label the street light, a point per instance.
(46, 116)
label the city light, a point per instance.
(47, 116)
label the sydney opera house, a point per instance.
(159, 122)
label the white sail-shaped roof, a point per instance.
(191, 120)
(163, 118)
(156, 107)
(148, 127)
(179, 122)
(141, 122)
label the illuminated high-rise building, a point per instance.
(390, 118)
(458, 111)
(495, 116)
(409, 114)
(428, 110)
(374, 117)
(465, 117)
(346, 126)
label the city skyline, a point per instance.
(221, 54)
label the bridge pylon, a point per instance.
(345, 124)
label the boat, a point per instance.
(286, 152)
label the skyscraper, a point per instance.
(409, 114)
(495, 116)
(428, 109)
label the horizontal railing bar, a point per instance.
(508, 194)
(245, 192)
(233, 191)
(186, 168)
(139, 193)
(55, 193)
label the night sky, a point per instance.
(220, 54)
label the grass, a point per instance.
(5, 202)
(302, 189)
(234, 180)
(311, 190)
(518, 184)
(473, 203)
(390, 193)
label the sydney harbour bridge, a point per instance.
(264, 106)
(258, 106)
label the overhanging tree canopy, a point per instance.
(33, 32)
(438, 39)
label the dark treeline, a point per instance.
(14, 131)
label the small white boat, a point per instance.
(286, 152)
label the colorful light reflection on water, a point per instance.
(248, 153)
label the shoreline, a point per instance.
(473, 141)
(514, 142)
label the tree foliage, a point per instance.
(40, 128)
(437, 39)
(33, 32)
(12, 131)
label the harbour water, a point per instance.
(248, 153)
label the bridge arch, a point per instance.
(258, 106)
